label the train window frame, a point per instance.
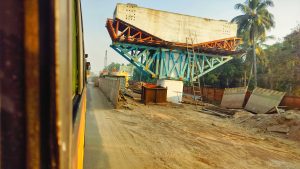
(78, 58)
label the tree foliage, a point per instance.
(279, 67)
(282, 70)
(227, 75)
(113, 67)
(253, 23)
(139, 75)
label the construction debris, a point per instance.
(211, 112)
(137, 87)
(192, 102)
(242, 116)
(122, 97)
(128, 94)
(279, 128)
(286, 124)
(292, 115)
(128, 106)
(221, 110)
(276, 109)
(218, 111)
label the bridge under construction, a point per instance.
(171, 46)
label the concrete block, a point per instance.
(174, 27)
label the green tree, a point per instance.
(254, 21)
(282, 71)
(262, 59)
(139, 75)
(228, 75)
(112, 67)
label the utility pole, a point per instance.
(105, 59)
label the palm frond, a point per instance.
(265, 4)
(243, 8)
(240, 18)
(269, 3)
(253, 4)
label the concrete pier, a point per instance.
(175, 89)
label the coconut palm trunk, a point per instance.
(253, 23)
(254, 57)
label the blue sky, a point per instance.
(95, 13)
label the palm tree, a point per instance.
(255, 21)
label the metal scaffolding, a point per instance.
(163, 63)
(120, 31)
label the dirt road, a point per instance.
(175, 136)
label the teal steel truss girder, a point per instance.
(172, 64)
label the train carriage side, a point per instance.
(42, 91)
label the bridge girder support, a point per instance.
(174, 64)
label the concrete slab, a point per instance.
(234, 97)
(174, 27)
(263, 100)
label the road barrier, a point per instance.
(215, 95)
(111, 89)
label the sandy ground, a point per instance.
(173, 136)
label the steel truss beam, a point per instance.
(120, 31)
(173, 64)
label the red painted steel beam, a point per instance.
(121, 31)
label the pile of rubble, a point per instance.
(262, 112)
(285, 124)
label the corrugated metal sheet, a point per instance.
(174, 27)
(234, 97)
(263, 100)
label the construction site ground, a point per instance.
(178, 136)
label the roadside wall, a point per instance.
(111, 89)
(122, 80)
(215, 95)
